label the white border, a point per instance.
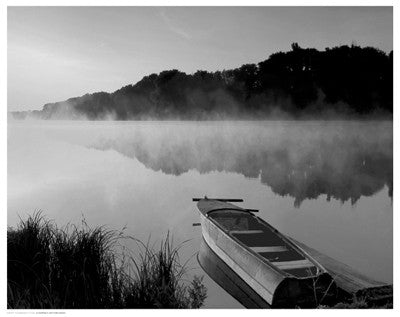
(3, 140)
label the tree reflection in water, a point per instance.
(342, 160)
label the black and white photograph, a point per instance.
(186, 156)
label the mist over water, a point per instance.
(342, 160)
(326, 183)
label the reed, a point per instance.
(81, 267)
(158, 279)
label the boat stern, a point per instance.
(305, 293)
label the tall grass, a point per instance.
(28, 264)
(158, 279)
(81, 267)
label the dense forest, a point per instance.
(345, 81)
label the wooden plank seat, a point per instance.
(293, 264)
(245, 231)
(279, 248)
(282, 256)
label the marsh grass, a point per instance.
(83, 267)
(157, 281)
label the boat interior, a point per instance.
(260, 238)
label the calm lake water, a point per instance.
(326, 184)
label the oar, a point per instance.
(236, 200)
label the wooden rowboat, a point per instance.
(277, 269)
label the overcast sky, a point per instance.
(55, 53)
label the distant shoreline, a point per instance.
(338, 83)
(360, 118)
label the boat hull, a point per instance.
(249, 268)
(275, 287)
(227, 278)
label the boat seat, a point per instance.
(293, 264)
(279, 248)
(304, 272)
(245, 231)
(282, 256)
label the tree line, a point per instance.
(344, 80)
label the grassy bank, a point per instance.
(376, 297)
(81, 267)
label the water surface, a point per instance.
(327, 184)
